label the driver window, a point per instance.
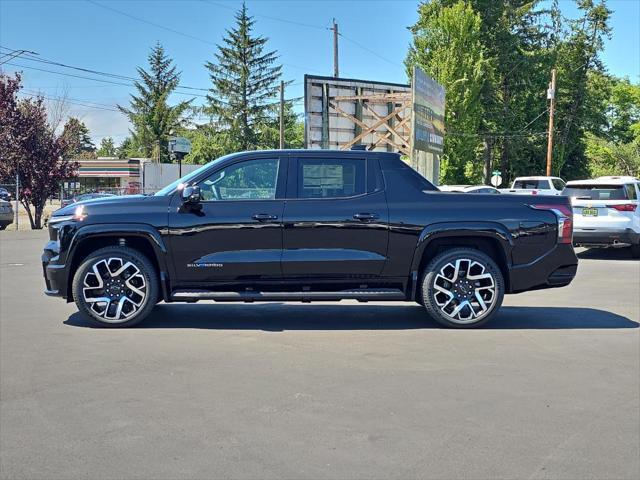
(250, 180)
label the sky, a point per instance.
(115, 36)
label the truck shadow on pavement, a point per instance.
(278, 317)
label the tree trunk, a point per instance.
(27, 207)
(38, 216)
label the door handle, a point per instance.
(264, 217)
(364, 217)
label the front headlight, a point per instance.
(79, 214)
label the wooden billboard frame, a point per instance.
(393, 129)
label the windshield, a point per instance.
(596, 192)
(185, 179)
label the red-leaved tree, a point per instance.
(29, 146)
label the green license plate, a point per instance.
(589, 212)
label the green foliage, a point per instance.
(447, 46)
(76, 135)
(150, 113)
(519, 42)
(107, 148)
(206, 144)
(612, 147)
(293, 130)
(245, 82)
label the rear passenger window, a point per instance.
(327, 178)
(558, 184)
(631, 192)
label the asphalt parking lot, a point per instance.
(551, 389)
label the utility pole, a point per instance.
(551, 95)
(281, 114)
(17, 196)
(336, 70)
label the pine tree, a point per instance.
(107, 148)
(76, 135)
(149, 112)
(245, 84)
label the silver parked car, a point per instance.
(6, 214)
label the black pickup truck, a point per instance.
(307, 225)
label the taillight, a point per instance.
(627, 207)
(564, 214)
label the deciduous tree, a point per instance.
(29, 146)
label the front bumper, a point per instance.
(55, 274)
(604, 237)
(555, 269)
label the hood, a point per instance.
(98, 203)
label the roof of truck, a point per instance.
(539, 177)
(603, 181)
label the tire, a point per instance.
(3, 226)
(122, 276)
(635, 250)
(446, 287)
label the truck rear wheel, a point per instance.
(116, 287)
(462, 288)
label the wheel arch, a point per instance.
(487, 237)
(143, 238)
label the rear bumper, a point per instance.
(604, 236)
(6, 218)
(555, 269)
(55, 274)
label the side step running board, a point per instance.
(362, 295)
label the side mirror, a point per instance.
(191, 195)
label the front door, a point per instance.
(335, 219)
(235, 234)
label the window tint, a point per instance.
(558, 184)
(250, 180)
(331, 178)
(596, 192)
(631, 192)
(531, 184)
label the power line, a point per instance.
(101, 80)
(139, 19)
(372, 52)
(71, 101)
(268, 17)
(497, 135)
(178, 32)
(13, 54)
(64, 98)
(98, 72)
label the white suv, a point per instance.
(606, 212)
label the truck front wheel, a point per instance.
(462, 288)
(116, 287)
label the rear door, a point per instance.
(335, 218)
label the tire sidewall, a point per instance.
(433, 268)
(127, 254)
